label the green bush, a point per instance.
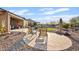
(66, 26)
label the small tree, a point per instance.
(73, 22)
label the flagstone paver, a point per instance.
(58, 42)
(18, 43)
(54, 42)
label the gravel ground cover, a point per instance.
(75, 42)
(9, 40)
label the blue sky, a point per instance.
(45, 14)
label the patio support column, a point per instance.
(8, 23)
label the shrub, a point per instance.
(2, 29)
(66, 26)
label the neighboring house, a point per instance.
(13, 21)
(52, 25)
(38, 23)
(31, 22)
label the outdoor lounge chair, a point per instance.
(42, 36)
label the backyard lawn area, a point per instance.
(51, 29)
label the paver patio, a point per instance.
(54, 42)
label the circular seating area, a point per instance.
(54, 42)
(58, 42)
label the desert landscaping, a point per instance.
(20, 34)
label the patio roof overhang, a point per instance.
(14, 16)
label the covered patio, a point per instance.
(16, 23)
(10, 21)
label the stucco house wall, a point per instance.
(3, 19)
(25, 23)
(6, 18)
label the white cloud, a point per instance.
(50, 12)
(29, 13)
(46, 9)
(61, 10)
(45, 19)
(22, 12)
(12, 10)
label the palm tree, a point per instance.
(60, 25)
